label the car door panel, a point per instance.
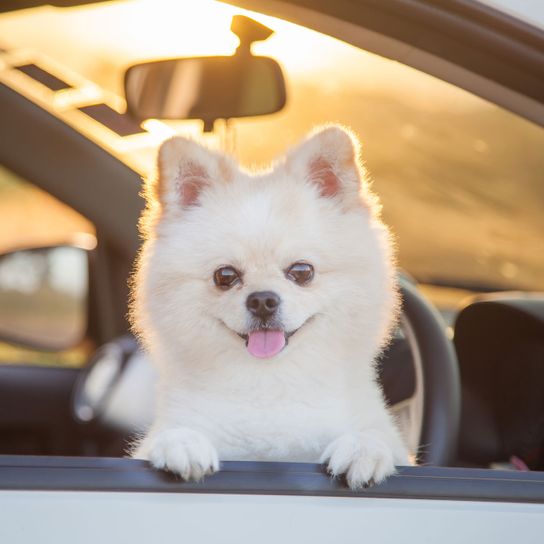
(42, 423)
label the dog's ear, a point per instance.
(185, 169)
(329, 159)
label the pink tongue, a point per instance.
(265, 344)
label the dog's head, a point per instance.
(268, 263)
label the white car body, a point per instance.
(133, 518)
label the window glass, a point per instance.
(461, 179)
(43, 289)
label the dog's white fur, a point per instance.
(317, 400)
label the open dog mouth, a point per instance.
(266, 342)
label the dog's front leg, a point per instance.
(365, 457)
(180, 450)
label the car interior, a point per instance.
(463, 372)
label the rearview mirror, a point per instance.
(208, 88)
(43, 297)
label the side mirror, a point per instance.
(209, 88)
(43, 297)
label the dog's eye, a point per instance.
(300, 273)
(225, 277)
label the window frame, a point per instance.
(471, 45)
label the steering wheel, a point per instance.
(435, 407)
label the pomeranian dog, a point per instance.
(263, 301)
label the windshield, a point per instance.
(461, 180)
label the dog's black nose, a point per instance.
(263, 304)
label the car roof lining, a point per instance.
(13, 5)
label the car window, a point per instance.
(460, 178)
(43, 277)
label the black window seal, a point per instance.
(261, 478)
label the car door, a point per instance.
(124, 500)
(36, 385)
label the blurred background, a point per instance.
(460, 179)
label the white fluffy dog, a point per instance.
(263, 301)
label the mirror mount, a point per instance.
(248, 32)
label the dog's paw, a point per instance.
(182, 451)
(364, 457)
